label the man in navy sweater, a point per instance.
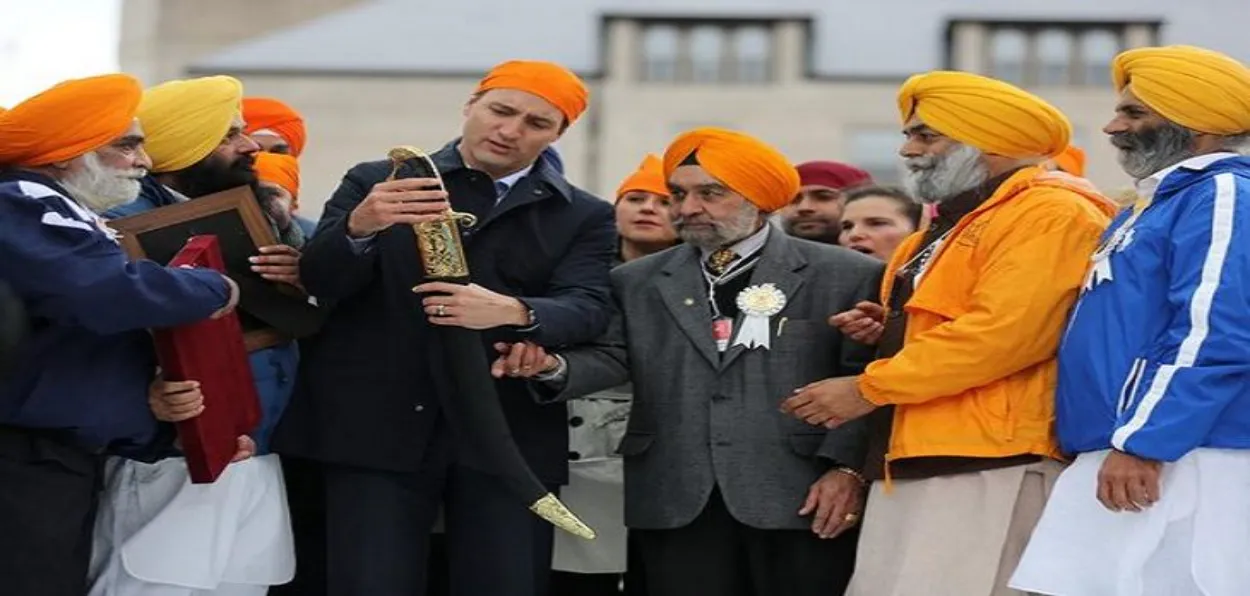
(79, 389)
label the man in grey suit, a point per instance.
(727, 495)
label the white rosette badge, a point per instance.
(758, 304)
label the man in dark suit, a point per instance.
(727, 495)
(373, 392)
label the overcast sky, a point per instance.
(43, 42)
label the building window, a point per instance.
(1010, 50)
(1055, 54)
(754, 52)
(707, 52)
(876, 151)
(1054, 57)
(1098, 49)
(707, 48)
(659, 50)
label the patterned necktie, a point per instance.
(718, 262)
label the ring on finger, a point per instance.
(440, 310)
(851, 518)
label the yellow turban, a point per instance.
(548, 80)
(1199, 89)
(990, 115)
(745, 164)
(68, 120)
(648, 178)
(186, 120)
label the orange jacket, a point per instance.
(976, 375)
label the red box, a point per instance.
(211, 352)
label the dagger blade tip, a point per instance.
(550, 508)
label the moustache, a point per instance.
(917, 164)
(1126, 141)
(245, 163)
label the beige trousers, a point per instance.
(959, 535)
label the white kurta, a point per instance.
(159, 535)
(1192, 542)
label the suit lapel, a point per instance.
(778, 265)
(542, 183)
(525, 192)
(684, 292)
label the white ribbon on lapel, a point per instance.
(758, 304)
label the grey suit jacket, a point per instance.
(702, 419)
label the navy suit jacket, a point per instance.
(371, 383)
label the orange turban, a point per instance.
(279, 169)
(1199, 89)
(548, 80)
(649, 178)
(745, 164)
(68, 120)
(990, 115)
(1072, 160)
(263, 113)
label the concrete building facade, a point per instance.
(816, 78)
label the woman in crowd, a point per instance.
(877, 218)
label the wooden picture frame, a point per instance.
(270, 313)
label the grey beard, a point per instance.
(743, 224)
(935, 178)
(99, 187)
(1150, 150)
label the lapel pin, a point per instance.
(689, 302)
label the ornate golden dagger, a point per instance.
(476, 412)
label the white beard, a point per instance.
(99, 187)
(743, 224)
(935, 178)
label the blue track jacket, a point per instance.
(1156, 361)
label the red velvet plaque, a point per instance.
(211, 352)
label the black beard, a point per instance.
(1150, 150)
(210, 176)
